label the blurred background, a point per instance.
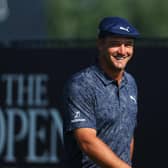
(42, 43)
(76, 19)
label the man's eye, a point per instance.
(129, 44)
(115, 44)
(119, 43)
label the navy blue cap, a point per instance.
(117, 26)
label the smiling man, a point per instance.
(101, 103)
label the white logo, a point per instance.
(77, 114)
(125, 29)
(133, 98)
(77, 117)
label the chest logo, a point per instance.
(133, 98)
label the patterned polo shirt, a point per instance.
(93, 100)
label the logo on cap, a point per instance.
(125, 29)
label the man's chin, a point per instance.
(118, 69)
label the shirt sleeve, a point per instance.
(78, 106)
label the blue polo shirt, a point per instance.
(93, 100)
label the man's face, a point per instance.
(116, 51)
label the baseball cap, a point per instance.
(117, 26)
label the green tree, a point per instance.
(80, 18)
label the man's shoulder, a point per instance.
(83, 75)
(82, 78)
(130, 77)
(131, 83)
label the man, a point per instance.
(101, 103)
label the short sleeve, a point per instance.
(78, 106)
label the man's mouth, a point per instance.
(119, 57)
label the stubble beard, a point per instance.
(118, 63)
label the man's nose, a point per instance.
(122, 49)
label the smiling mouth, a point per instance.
(120, 57)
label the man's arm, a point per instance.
(97, 150)
(132, 148)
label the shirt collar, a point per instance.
(106, 79)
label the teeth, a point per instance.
(119, 57)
